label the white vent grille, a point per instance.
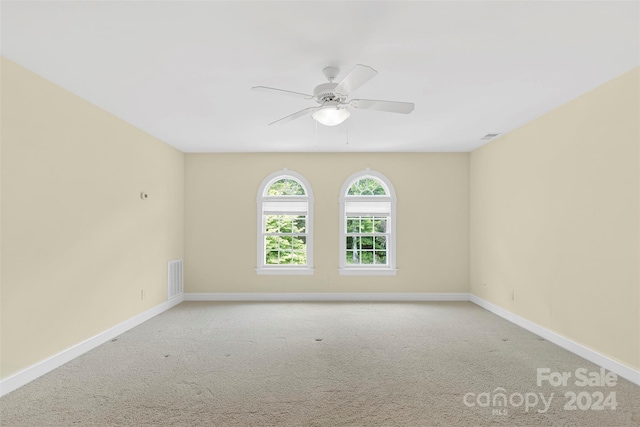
(175, 285)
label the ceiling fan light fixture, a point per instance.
(334, 98)
(331, 114)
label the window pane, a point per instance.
(353, 225)
(286, 187)
(299, 257)
(366, 257)
(286, 257)
(381, 257)
(271, 223)
(366, 187)
(367, 242)
(352, 257)
(271, 242)
(379, 191)
(380, 225)
(299, 243)
(380, 242)
(285, 242)
(366, 224)
(285, 223)
(300, 224)
(272, 257)
(278, 250)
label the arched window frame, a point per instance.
(390, 199)
(262, 197)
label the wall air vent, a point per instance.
(175, 284)
(489, 136)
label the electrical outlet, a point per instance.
(141, 294)
(512, 295)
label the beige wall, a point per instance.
(432, 212)
(555, 218)
(78, 243)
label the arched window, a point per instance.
(285, 224)
(367, 225)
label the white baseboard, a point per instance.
(328, 296)
(29, 374)
(609, 364)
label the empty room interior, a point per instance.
(320, 213)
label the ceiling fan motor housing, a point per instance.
(326, 92)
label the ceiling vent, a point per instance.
(489, 136)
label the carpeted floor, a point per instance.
(321, 364)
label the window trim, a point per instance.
(369, 270)
(283, 269)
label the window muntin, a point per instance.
(285, 225)
(367, 207)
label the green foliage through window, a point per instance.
(366, 187)
(366, 240)
(285, 239)
(286, 187)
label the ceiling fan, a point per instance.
(334, 97)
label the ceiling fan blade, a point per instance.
(294, 116)
(282, 92)
(389, 106)
(359, 75)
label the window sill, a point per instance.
(279, 271)
(368, 271)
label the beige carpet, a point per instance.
(319, 364)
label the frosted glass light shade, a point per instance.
(331, 115)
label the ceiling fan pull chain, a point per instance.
(347, 133)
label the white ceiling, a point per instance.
(182, 71)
